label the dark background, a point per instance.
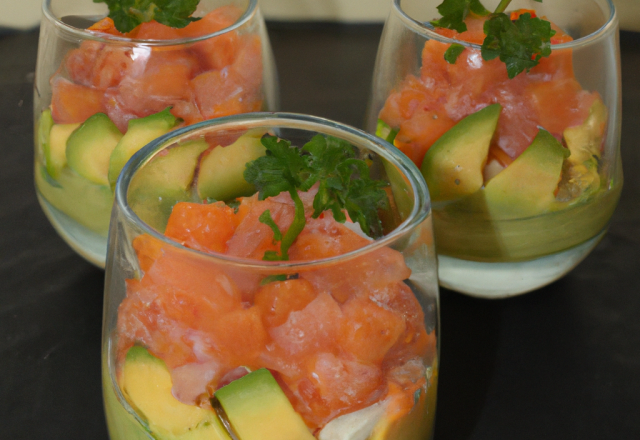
(559, 363)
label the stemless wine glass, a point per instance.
(524, 173)
(100, 95)
(201, 337)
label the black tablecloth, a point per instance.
(559, 363)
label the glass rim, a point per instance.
(422, 28)
(101, 37)
(420, 211)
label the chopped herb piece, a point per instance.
(452, 54)
(127, 14)
(454, 12)
(266, 218)
(272, 278)
(520, 44)
(234, 204)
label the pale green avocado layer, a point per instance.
(87, 203)
(465, 233)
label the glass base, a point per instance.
(88, 244)
(502, 280)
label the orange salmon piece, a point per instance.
(333, 386)
(152, 30)
(176, 303)
(72, 103)
(323, 238)
(239, 336)
(106, 26)
(217, 94)
(111, 67)
(196, 275)
(141, 320)
(248, 64)
(310, 330)
(368, 331)
(205, 227)
(414, 342)
(157, 80)
(560, 104)
(498, 154)
(79, 63)
(187, 111)
(276, 300)
(216, 53)
(223, 93)
(433, 63)
(417, 134)
(252, 238)
(148, 249)
(214, 21)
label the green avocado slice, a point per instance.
(257, 409)
(221, 175)
(147, 385)
(527, 186)
(164, 181)
(584, 141)
(139, 133)
(453, 165)
(89, 148)
(55, 156)
(42, 130)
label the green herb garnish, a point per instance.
(454, 12)
(344, 184)
(127, 14)
(452, 54)
(520, 43)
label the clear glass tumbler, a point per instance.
(100, 95)
(203, 338)
(525, 172)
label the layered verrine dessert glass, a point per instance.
(524, 169)
(101, 94)
(207, 334)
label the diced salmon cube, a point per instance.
(310, 330)
(368, 331)
(276, 300)
(205, 227)
(73, 103)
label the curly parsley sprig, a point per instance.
(127, 14)
(519, 43)
(344, 184)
